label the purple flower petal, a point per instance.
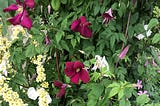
(57, 84)
(82, 19)
(123, 53)
(86, 32)
(77, 65)
(16, 19)
(47, 40)
(61, 93)
(18, 1)
(75, 25)
(69, 70)
(12, 7)
(26, 21)
(75, 78)
(84, 76)
(29, 3)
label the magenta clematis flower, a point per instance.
(22, 17)
(62, 88)
(47, 40)
(76, 72)
(123, 53)
(82, 26)
(107, 16)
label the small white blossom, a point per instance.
(140, 36)
(49, 99)
(32, 93)
(100, 63)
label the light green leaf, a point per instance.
(30, 51)
(114, 84)
(153, 22)
(120, 94)
(73, 42)
(142, 99)
(156, 38)
(64, 24)
(55, 4)
(20, 79)
(114, 91)
(59, 35)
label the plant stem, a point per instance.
(57, 64)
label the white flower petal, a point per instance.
(49, 99)
(32, 93)
(146, 27)
(140, 36)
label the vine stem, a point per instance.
(126, 32)
(57, 65)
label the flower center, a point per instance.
(20, 9)
(78, 70)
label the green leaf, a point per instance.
(30, 51)
(64, 24)
(64, 1)
(114, 91)
(156, 38)
(122, 9)
(64, 45)
(114, 84)
(120, 94)
(112, 41)
(55, 4)
(142, 99)
(20, 79)
(153, 22)
(73, 42)
(124, 102)
(59, 35)
(96, 9)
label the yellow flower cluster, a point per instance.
(44, 98)
(39, 60)
(45, 84)
(9, 95)
(13, 31)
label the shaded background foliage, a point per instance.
(108, 40)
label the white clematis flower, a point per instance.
(32, 93)
(100, 63)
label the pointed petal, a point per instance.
(26, 21)
(84, 76)
(78, 64)
(12, 7)
(29, 3)
(57, 84)
(86, 32)
(15, 20)
(69, 70)
(123, 53)
(75, 78)
(82, 19)
(61, 93)
(75, 25)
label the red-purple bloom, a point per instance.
(62, 88)
(47, 40)
(107, 16)
(76, 72)
(82, 26)
(123, 53)
(22, 17)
